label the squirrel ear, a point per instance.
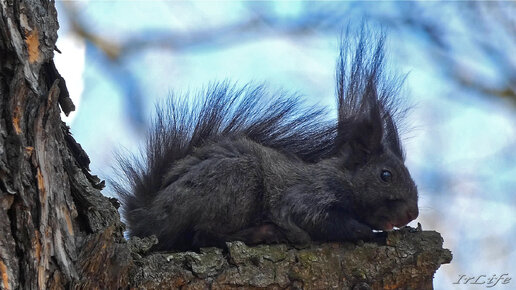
(365, 138)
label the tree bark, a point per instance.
(58, 231)
(405, 259)
(51, 207)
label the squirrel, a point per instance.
(240, 164)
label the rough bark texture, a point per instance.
(58, 231)
(406, 259)
(52, 214)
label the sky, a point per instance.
(460, 146)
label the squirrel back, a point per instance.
(241, 164)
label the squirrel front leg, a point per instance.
(305, 214)
(339, 225)
(290, 230)
(289, 213)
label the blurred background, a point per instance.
(120, 57)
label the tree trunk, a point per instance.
(58, 231)
(51, 209)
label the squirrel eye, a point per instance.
(386, 175)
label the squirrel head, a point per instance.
(367, 141)
(384, 194)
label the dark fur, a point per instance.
(242, 165)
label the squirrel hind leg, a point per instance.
(262, 234)
(204, 239)
(267, 233)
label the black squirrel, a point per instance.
(239, 164)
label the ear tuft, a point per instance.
(366, 100)
(364, 139)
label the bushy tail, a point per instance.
(221, 111)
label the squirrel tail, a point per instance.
(221, 111)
